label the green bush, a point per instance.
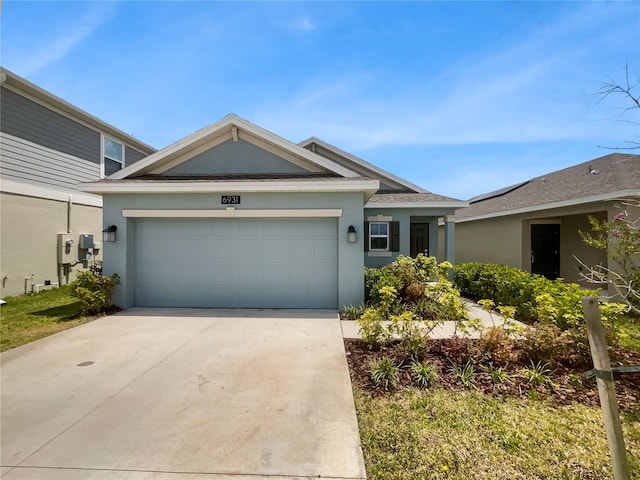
(372, 330)
(94, 291)
(534, 297)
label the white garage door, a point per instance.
(245, 263)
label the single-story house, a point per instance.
(236, 216)
(535, 225)
(47, 147)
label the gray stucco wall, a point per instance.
(119, 257)
(406, 216)
(231, 157)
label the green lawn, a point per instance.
(439, 434)
(26, 318)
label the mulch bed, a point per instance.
(570, 384)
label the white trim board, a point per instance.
(30, 190)
(368, 186)
(231, 212)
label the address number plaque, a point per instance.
(230, 199)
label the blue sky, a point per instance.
(459, 97)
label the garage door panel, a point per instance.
(324, 249)
(248, 263)
(322, 273)
(324, 228)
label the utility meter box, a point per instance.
(67, 249)
(86, 241)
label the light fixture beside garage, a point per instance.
(352, 235)
(109, 234)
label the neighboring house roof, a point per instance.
(610, 177)
(11, 80)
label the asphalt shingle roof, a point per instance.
(615, 173)
(409, 198)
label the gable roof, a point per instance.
(399, 193)
(363, 167)
(606, 178)
(231, 127)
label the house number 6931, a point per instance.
(230, 199)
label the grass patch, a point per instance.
(438, 434)
(26, 318)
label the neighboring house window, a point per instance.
(112, 156)
(379, 236)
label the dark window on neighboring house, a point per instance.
(112, 156)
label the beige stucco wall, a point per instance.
(507, 240)
(496, 240)
(28, 238)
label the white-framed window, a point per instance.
(112, 156)
(379, 236)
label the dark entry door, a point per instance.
(419, 239)
(545, 250)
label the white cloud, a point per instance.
(303, 24)
(54, 50)
(535, 90)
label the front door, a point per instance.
(545, 250)
(419, 239)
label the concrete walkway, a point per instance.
(182, 394)
(447, 329)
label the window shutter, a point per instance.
(394, 241)
(366, 236)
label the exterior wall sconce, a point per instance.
(109, 234)
(352, 235)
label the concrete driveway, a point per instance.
(182, 394)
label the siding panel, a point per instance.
(31, 121)
(131, 156)
(25, 161)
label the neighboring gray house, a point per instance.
(235, 216)
(534, 225)
(47, 147)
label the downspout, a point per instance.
(69, 205)
(61, 268)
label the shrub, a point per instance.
(94, 291)
(548, 344)
(384, 373)
(423, 373)
(534, 298)
(496, 345)
(413, 333)
(372, 330)
(375, 279)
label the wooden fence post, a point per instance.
(604, 378)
